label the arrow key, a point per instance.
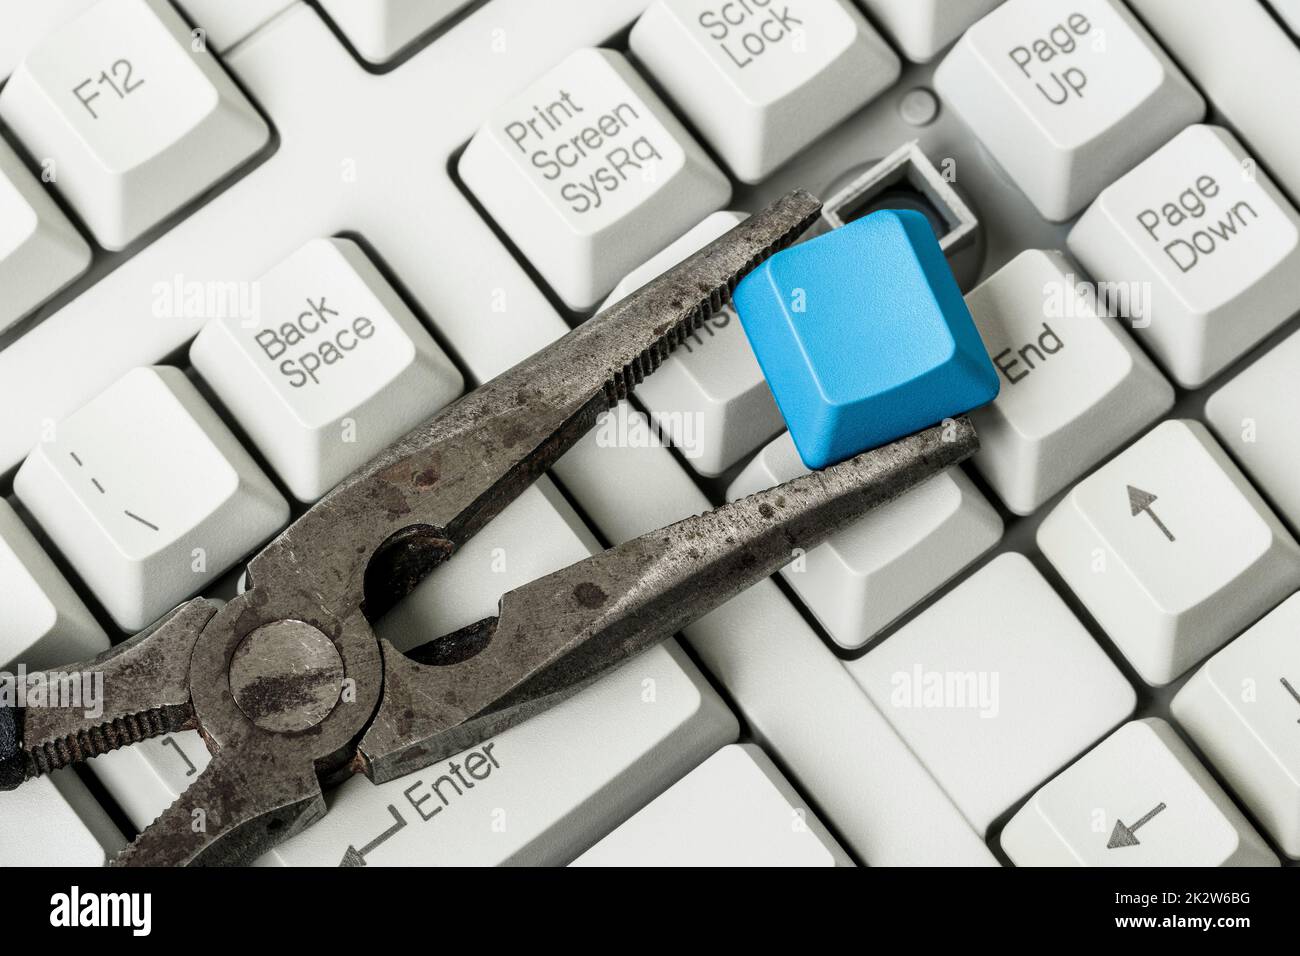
(1171, 549)
(1139, 798)
(1243, 710)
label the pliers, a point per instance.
(292, 690)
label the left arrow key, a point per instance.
(1189, 819)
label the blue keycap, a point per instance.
(864, 337)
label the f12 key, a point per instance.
(131, 116)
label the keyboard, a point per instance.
(245, 245)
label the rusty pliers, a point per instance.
(289, 685)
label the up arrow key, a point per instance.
(1140, 501)
(1234, 559)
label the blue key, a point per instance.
(864, 337)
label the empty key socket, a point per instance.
(909, 167)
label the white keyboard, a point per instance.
(245, 245)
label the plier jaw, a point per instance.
(288, 683)
(557, 634)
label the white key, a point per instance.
(590, 174)
(1254, 416)
(620, 741)
(40, 251)
(54, 821)
(331, 369)
(921, 28)
(1074, 385)
(135, 122)
(1067, 95)
(1139, 798)
(867, 575)
(379, 29)
(224, 22)
(987, 702)
(1243, 710)
(26, 24)
(45, 623)
(1210, 237)
(796, 698)
(709, 397)
(735, 809)
(1171, 549)
(1289, 11)
(1247, 66)
(761, 81)
(148, 494)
